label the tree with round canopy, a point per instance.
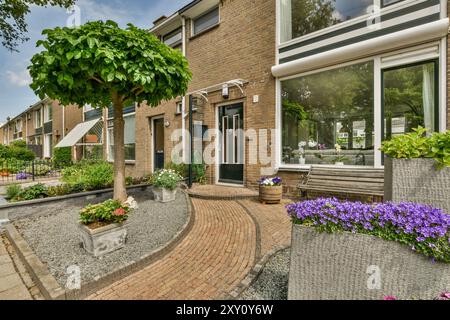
(101, 64)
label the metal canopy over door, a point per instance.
(158, 144)
(231, 125)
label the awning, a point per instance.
(77, 134)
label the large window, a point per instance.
(38, 118)
(301, 17)
(206, 21)
(174, 38)
(130, 139)
(410, 98)
(326, 112)
(48, 113)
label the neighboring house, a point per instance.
(361, 72)
(42, 126)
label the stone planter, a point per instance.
(270, 195)
(164, 195)
(339, 164)
(347, 266)
(101, 241)
(417, 180)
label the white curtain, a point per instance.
(429, 97)
(130, 130)
(285, 20)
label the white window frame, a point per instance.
(414, 55)
(174, 32)
(365, 17)
(38, 121)
(108, 139)
(193, 34)
(17, 128)
(47, 146)
(46, 113)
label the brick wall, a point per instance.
(73, 115)
(241, 47)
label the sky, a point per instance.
(15, 93)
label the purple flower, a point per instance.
(22, 176)
(388, 298)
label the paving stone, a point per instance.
(16, 293)
(9, 282)
(6, 270)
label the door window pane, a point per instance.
(329, 109)
(410, 94)
(301, 17)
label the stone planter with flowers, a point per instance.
(103, 226)
(270, 190)
(165, 183)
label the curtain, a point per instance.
(130, 131)
(285, 20)
(429, 97)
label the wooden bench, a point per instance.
(349, 181)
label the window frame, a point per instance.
(415, 55)
(38, 120)
(193, 33)
(355, 20)
(108, 139)
(48, 116)
(172, 33)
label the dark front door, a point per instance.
(231, 125)
(158, 144)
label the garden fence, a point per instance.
(17, 171)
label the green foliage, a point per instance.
(13, 24)
(91, 175)
(62, 157)
(181, 169)
(16, 151)
(167, 179)
(417, 145)
(59, 190)
(13, 191)
(37, 191)
(110, 211)
(86, 65)
(198, 171)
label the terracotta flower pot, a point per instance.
(270, 195)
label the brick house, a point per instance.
(42, 126)
(362, 72)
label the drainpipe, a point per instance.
(191, 142)
(183, 99)
(63, 121)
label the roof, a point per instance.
(77, 134)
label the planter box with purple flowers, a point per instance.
(355, 251)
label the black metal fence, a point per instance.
(13, 170)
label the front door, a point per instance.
(158, 144)
(231, 125)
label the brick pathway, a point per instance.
(215, 256)
(12, 286)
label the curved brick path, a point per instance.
(223, 246)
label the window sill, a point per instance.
(204, 31)
(127, 162)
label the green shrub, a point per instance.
(62, 157)
(12, 191)
(416, 145)
(181, 169)
(19, 144)
(60, 190)
(110, 211)
(4, 152)
(92, 175)
(199, 173)
(37, 191)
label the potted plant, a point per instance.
(270, 190)
(339, 159)
(340, 249)
(103, 226)
(165, 183)
(417, 168)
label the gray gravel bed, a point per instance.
(54, 237)
(272, 283)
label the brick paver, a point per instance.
(11, 284)
(215, 256)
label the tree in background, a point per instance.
(12, 19)
(101, 64)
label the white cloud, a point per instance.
(19, 79)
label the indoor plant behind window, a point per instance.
(103, 226)
(270, 190)
(165, 183)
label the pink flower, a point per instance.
(119, 212)
(387, 298)
(445, 296)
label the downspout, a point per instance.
(183, 99)
(63, 122)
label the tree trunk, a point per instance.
(120, 192)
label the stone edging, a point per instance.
(223, 198)
(51, 289)
(69, 196)
(254, 273)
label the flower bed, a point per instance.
(425, 229)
